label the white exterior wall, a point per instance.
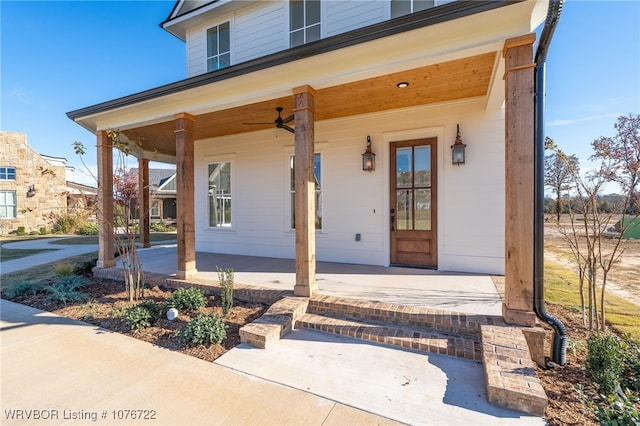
(470, 239)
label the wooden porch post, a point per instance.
(305, 190)
(519, 182)
(106, 239)
(185, 124)
(143, 202)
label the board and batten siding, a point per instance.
(470, 197)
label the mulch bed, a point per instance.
(105, 296)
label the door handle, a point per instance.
(393, 219)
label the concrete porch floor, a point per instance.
(458, 292)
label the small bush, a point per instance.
(605, 362)
(21, 231)
(34, 233)
(160, 227)
(225, 277)
(23, 288)
(142, 315)
(86, 267)
(63, 270)
(65, 290)
(187, 299)
(90, 228)
(204, 329)
(618, 410)
(43, 231)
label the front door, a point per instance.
(413, 203)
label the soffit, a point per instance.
(448, 81)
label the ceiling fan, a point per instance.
(281, 123)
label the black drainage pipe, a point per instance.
(560, 338)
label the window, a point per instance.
(155, 208)
(405, 7)
(8, 204)
(220, 195)
(304, 22)
(317, 171)
(7, 173)
(218, 47)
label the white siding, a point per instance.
(343, 16)
(260, 30)
(470, 197)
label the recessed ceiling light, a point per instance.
(402, 84)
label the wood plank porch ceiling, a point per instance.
(447, 81)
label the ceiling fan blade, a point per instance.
(285, 127)
(288, 119)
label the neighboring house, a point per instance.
(33, 187)
(404, 80)
(162, 193)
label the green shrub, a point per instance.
(142, 315)
(65, 290)
(159, 227)
(205, 329)
(90, 228)
(631, 376)
(86, 267)
(63, 269)
(23, 288)
(43, 231)
(34, 233)
(605, 362)
(225, 277)
(618, 410)
(187, 299)
(21, 231)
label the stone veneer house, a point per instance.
(316, 87)
(34, 186)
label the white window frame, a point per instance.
(305, 26)
(4, 206)
(155, 206)
(289, 154)
(233, 197)
(4, 173)
(219, 54)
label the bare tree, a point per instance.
(558, 168)
(619, 162)
(125, 190)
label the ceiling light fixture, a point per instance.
(402, 84)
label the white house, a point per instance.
(406, 77)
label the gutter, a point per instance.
(560, 337)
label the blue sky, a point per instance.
(61, 56)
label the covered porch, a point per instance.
(448, 291)
(342, 90)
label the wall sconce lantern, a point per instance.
(31, 191)
(368, 158)
(457, 150)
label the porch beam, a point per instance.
(185, 124)
(143, 202)
(305, 188)
(519, 191)
(106, 238)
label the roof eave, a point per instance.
(447, 12)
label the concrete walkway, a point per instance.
(75, 371)
(58, 252)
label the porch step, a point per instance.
(406, 337)
(447, 322)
